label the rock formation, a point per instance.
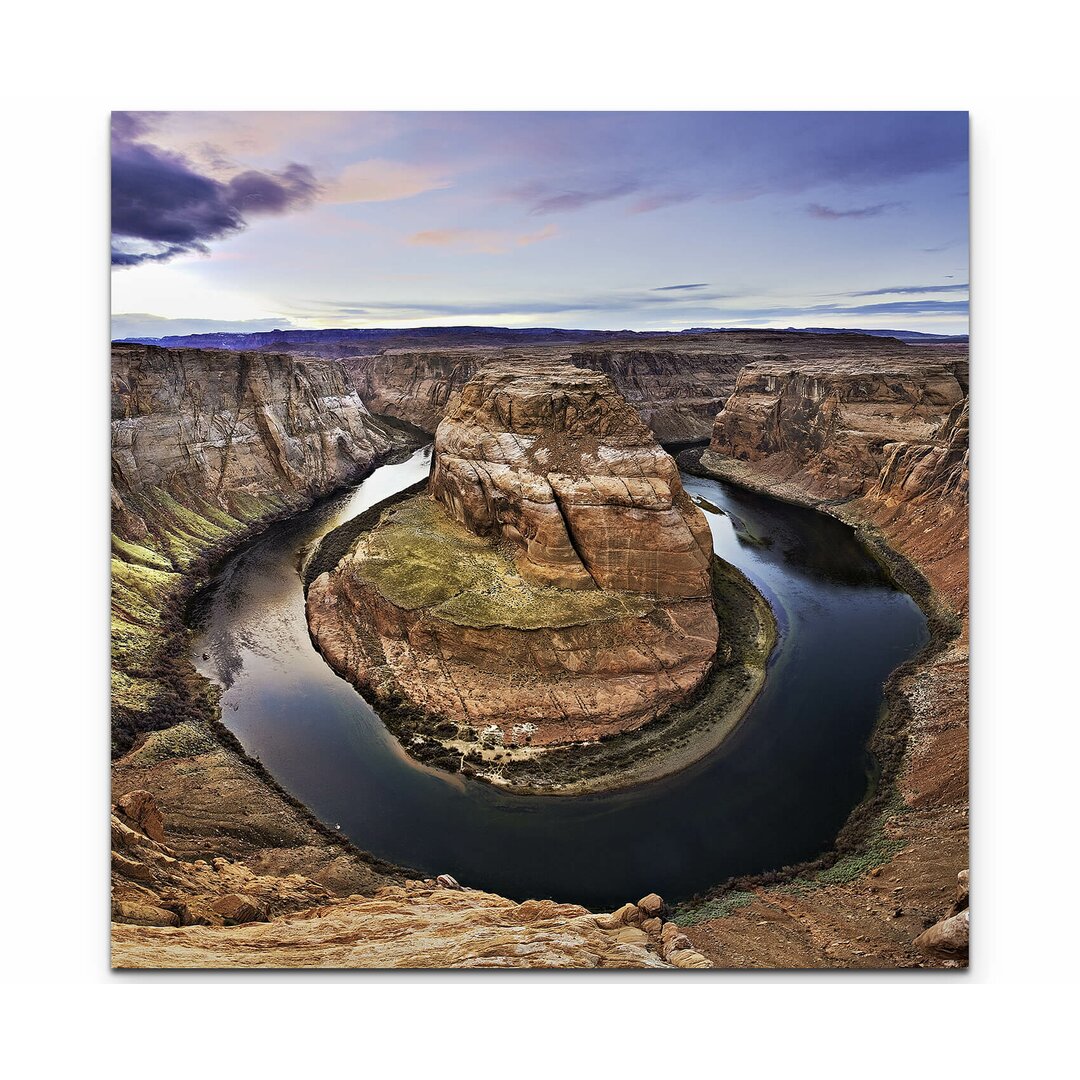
(169, 911)
(948, 938)
(205, 446)
(555, 461)
(838, 425)
(677, 381)
(882, 443)
(552, 586)
(230, 428)
(887, 439)
(677, 392)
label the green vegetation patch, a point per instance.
(153, 683)
(182, 740)
(692, 914)
(877, 848)
(419, 558)
(139, 555)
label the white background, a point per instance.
(66, 66)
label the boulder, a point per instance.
(962, 892)
(134, 913)
(235, 908)
(947, 939)
(140, 808)
(651, 904)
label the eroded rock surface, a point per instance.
(553, 586)
(885, 440)
(172, 912)
(554, 460)
(229, 427)
(207, 445)
(677, 391)
(883, 445)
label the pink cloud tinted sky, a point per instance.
(571, 219)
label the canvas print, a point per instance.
(539, 540)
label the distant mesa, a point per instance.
(551, 586)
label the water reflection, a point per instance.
(775, 792)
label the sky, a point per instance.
(642, 221)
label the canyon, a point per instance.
(883, 446)
(677, 392)
(678, 382)
(207, 445)
(551, 586)
(214, 864)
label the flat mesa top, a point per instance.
(547, 399)
(418, 558)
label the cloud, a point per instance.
(827, 213)
(897, 307)
(162, 206)
(480, 241)
(379, 180)
(142, 324)
(670, 288)
(901, 290)
(692, 310)
(554, 199)
(658, 201)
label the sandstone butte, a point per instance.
(553, 584)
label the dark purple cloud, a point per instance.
(163, 207)
(669, 288)
(827, 213)
(668, 158)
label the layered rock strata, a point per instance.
(883, 446)
(677, 392)
(205, 446)
(887, 441)
(552, 586)
(227, 428)
(171, 911)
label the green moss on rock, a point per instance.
(418, 558)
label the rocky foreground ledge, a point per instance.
(553, 586)
(173, 913)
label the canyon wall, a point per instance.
(886, 439)
(677, 392)
(205, 446)
(883, 445)
(229, 429)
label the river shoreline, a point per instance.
(859, 838)
(227, 739)
(660, 748)
(205, 711)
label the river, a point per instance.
(774, 793)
